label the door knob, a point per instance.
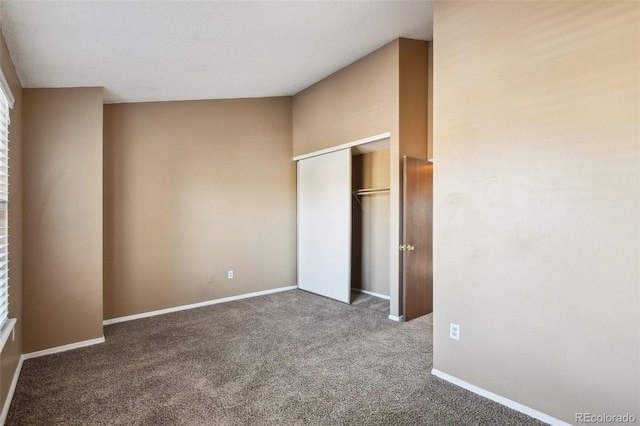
(410, 248)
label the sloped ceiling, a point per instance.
(177, 50)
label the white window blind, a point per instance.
(4, 206)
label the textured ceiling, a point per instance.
(177, 50)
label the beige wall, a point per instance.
(375, 243)
(12, 350)
(197, 188)
(537, 201)
(62, 172)
(375, 169)
(383, 92)
(356, 102)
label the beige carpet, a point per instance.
(288, 358)
(363, 300)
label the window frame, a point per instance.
(7, 324)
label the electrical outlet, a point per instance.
(210, 279)
(230, 274)
(454, 331)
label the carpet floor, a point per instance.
(289, 358)
(363, 300)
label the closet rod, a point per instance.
(368, 191)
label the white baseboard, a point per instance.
(195, 305)
(12, 389)
(64, 348)
(499, 399)
(370, 293)
(395, 318)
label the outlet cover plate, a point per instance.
(454, 331)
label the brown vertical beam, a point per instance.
(413, 101)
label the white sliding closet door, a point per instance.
(324, 225)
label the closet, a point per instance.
(370, 219)
(343, 221)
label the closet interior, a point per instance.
(370, 225)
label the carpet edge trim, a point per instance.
(499, 399)
(64, 348)
(195, 305)
(12, 390)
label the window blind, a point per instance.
(4, 208)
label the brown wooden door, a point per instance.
(416, 246)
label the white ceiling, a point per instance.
(176, 50)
